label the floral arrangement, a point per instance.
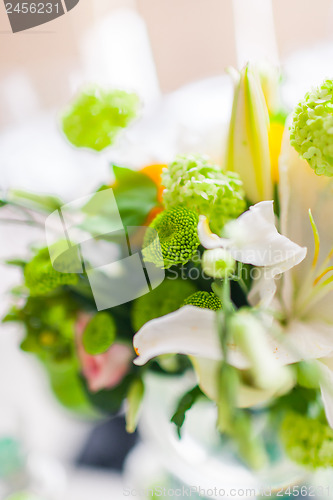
(245, 306)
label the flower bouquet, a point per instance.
(217, 269)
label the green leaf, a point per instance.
(99, 334)
(96, 117)
(45, 203)
(67, 387)
(136, 195)
(184, 404)
(134, 399)
(16, 263)
(3, 203)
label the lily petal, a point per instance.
(255, 240)
(208, 239)
(189, 330)
(304, 341)
(326, 388)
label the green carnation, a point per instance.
(311, 132)
(163, 300)
(41, 277)
(206, 300)
(96, 117)
(193, 181)
(307, 441)
(178, 238)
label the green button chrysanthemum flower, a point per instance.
(96, 117)
(163, 300)
(311, 132)
(195, 182)
(41, 277)
(206, 300)
(307, 441)
(177, 238)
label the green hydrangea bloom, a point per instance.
(311, 132)
(164, 299)
(206, 300)
(307, 441)
(178, 238)
(41, 277)
(193, 181)
(96, 116)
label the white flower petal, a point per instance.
(262, 291)
(189, 330)
(255, 240)
(208, 239)
(304, 341)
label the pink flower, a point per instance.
(106, 370)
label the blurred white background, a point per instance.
(154, 47)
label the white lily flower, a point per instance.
(254, 239)
(193, 331)
(306, 292)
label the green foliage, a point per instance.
(185, 404)
(206, 300)
(311, 132)
(136, 195)
(67, 386)
(134, 399)
(178, 238)
(164, 299)
(96, 116)
(307, 441)
(35, 201)
(41, 277)
(196, 183)
(99, 334)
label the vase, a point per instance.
(201, 464)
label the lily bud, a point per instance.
(218, 263)
(248, 147)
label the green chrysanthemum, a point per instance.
(206, 300)
(164, 299)
(193, 181)
(41, 277)
(311, 132)
(96, 117)
(307, 441)
(177, 235)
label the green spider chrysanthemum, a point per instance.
(41, 277)
(177, 238)
(307, 441)
(311, 132)
(96, 117)
(164, 299)
(206, 300)
(193, 181)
